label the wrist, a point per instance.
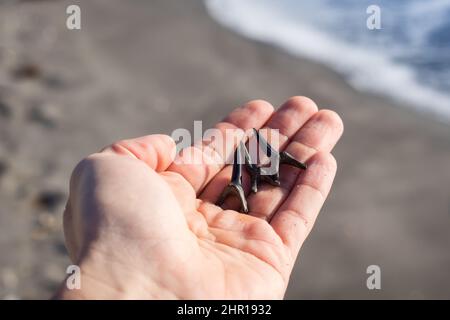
(102, 279)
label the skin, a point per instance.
(143, 226)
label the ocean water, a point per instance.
(408, 59)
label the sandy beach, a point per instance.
(138, 68)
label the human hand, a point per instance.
(142, 226)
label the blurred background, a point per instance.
(139, 67)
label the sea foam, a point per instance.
(366, 68)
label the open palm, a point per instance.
(142, 225)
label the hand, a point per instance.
(142, 226)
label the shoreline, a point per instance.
(170, 63)
(382, 76)
(384, 99)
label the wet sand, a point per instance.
(141, 67)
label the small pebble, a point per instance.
(39, 235)
(47, 221)
(5, 110)
(9, 278)
(45, 115)
(60, 248)
(3, 167)
(54, 82)
(50, 200)
(27, 71)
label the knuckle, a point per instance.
(83, 167)
(333, 118)
(258, 104)
(302, 102)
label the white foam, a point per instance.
(364, 69)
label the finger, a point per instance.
(287, 120)
(242, 231)
(296, 216)
(156, 150)
(292, 115)
(215, 153)
(320, 133)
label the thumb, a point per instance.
(156, 150)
